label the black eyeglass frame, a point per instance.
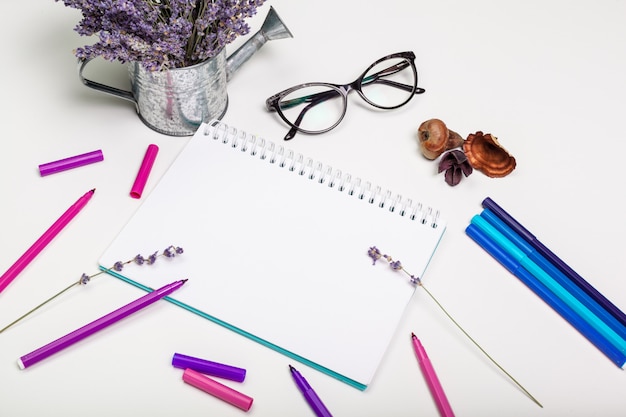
(272, 103)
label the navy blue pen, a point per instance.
(309, 395)
(615, 355)
(555, 260)
(555, 273)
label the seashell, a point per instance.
(485, 154)
(435, 138)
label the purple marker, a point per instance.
(97, 325)
(555, 260)
(71, 162)
(210, 368)
(309, 395)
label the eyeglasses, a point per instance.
(314, 108)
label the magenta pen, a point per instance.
(443, 405)
(144, 171)
(218, 390)
(56, 228)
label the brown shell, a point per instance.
(435, 138)
(485, 154)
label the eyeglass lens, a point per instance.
(313, 108)
(389, 83)
(317, 107)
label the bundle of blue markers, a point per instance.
(592, 314)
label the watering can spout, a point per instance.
(272, 28)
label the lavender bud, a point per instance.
(84, 279)
(415, 280)
(374, 253)
(172, 251)
(395, 265)
(152, 258)
(139, 260)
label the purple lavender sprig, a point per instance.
(161, 34)
(169, 252)
(374, 253)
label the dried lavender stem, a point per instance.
(376, 254)
(169, 252)
(479, 347)
(39, 306)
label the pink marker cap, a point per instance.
(144, 171)
(224, 393)
(208, 367)
(71, 162)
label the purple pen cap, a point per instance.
(207, 367)
(71, 162)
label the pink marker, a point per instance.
(144, 171)
(44, 240)
(211, 386)
(431, 379)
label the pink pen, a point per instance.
(431, 379)
(221, 391)
(144, 171)
(44, 239)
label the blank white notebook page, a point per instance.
(275, 247)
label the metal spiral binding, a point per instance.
(314, 170)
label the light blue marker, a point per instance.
(506, 260)
(550, 283)
(555, 273)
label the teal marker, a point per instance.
(550, 283)
(554, 272)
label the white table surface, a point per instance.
(546, 78)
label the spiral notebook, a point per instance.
(276, 249)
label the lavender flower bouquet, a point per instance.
(161, 34)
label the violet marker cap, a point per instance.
(144, 171)
(210, 368)
(71, 162)
(221, 391)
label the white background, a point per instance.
(546, 78)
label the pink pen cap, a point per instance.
(210, 368)
(224, 393)
(71, 162)
(144, 171)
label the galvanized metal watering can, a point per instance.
(176, 101)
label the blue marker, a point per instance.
(614, 354)
(555, 273)
(519, 256)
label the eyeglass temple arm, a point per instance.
(313, 100)
(405, 87)
(376, 78)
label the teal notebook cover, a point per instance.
(275, 249)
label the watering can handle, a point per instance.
(126, 95)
